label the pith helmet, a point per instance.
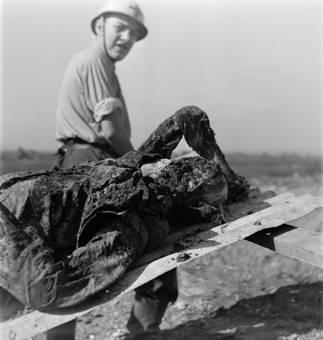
(125, 7)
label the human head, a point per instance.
(128, 8)
(117, 34)
(119, 23)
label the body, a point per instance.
(109, 212)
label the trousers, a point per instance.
(73, 154)
(151, 299)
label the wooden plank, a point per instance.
(297, 243)
(279, 206)
(273, 200)
(195, 246)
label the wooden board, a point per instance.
(195, 242)
(298, 243)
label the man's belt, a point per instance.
(78, 143)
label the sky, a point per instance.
(254, 66)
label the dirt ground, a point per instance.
(240, 292)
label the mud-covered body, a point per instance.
(66, 234)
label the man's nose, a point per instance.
(127, 36)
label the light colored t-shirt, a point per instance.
(90, 87)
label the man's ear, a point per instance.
(99, 26)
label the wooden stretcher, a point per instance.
(262, 219)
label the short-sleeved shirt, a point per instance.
(88, 80)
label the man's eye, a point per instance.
(119, 28)
(134, 34)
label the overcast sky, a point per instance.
(255, 67)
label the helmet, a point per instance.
(125, 7)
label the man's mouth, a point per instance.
(123, 48)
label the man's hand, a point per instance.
(116, 134)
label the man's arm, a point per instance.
(116, 134)
(104, 99)
(107, 114)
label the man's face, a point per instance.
(120, 34)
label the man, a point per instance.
(93, 124)
(92, 119)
